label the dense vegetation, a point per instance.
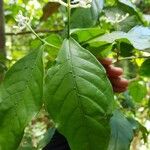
(59, 43)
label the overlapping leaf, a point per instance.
(138, 36)
(121, 132)
(79, 97)
(85, 34)
(20, 98)
(144, 69)
(83, 18)
(129, 7)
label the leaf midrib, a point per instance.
(73, 75)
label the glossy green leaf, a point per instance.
(83, 35)
(145, 68)
(121, 132)
(79, 97)
(137, 90)
(20, 98)
(83, 18)
(53, 39)
(139, 37)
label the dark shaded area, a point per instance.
(58, 142)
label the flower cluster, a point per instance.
(11, 2)
(75, 3)
(82, 3)
(21, 20)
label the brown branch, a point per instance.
(30, 32)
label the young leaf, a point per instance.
(137, 90)
(79, 97)
(121, 132)
(144, 70)
(20, 98)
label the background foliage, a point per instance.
(120, 30)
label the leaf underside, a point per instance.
(20, 98)
(121, 132)
(79, 97)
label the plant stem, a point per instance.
(118, 51)
(30, 32)
(132, 58)
(42, 40)
(69, 13)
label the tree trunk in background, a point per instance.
(2, 30)
(2, 41)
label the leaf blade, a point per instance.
(133, 36)
(20, 98)
(79, 96)
(121, 132)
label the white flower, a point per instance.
(13, 2)
(82, 3)
(75, 3)
(22, 21)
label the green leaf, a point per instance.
(121, 132)
(138, 36)
(128, 3)
(83, 35)
(137, 90)
(53, 39)
(129, 7)
(144, 69)
(20, 98)
(83, 18)
(128, 23)
(127, 101)
(137, 126)
(79, 97)
(126, 50)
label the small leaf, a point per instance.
(20, 98)
(144, 69)
(121, 132)
(126, 50)
(79, 97)
(83, 35)
(137, 90)
(53, 39)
